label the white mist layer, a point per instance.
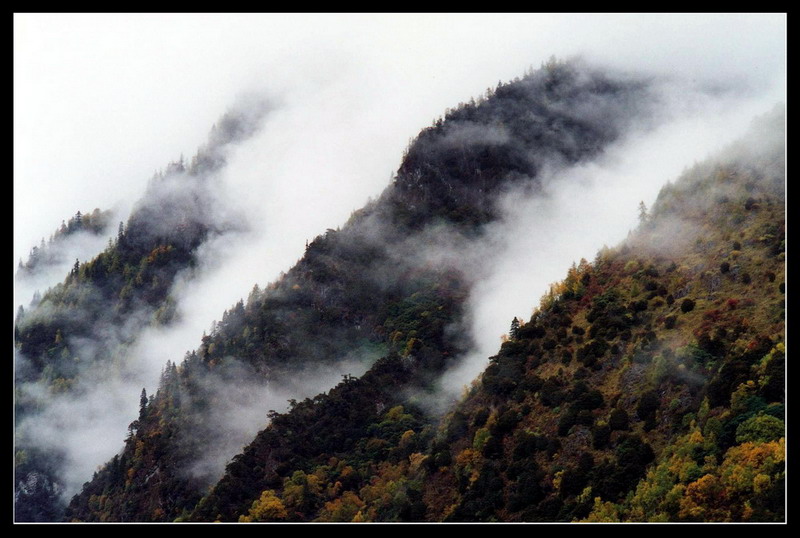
(282, 187)
(584, 208)
(86, 429)
(83, 246)
(103, 100)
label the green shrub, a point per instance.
(760, 428)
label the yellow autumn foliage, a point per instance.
(268, 507)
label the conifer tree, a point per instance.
(513, 332)
(142, 404)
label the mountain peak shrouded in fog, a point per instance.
(49, 253)
(558, 116)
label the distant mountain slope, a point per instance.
(75, 336)
(382, 286)
(53, 251)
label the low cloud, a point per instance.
(590, 205)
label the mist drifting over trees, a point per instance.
(318, 341)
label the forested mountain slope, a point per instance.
(648, 386)
(75, 336)
(384, 285)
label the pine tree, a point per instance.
(513, 332)
(142, 404)
(643, 216)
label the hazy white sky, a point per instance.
(103, 100)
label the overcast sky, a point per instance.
(101, 101)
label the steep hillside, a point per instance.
(74, 336)
(382, 286)
(649, 386)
